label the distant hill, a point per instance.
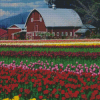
(18, 19)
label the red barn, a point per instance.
(13, 29)
(3, 34)
(60, 22)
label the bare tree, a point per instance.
(89, 11)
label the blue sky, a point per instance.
(13, 7)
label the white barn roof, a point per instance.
(82, 30)
(21, 26)
(85, 26)
(59, 17)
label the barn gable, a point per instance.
(13, 29)
(35, 22)
(17, 26)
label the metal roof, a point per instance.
(22, 26)
(82, 30)
(59, 17)
(87, 26)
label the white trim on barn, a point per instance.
(66, 33)
(12, 36)
(31, 19)
(62, 33)
(57, 33)
(36, 28)
(37, 31)
(70, 33)
(19, 26)
(40, 19)
(14, 28)
(53, 33)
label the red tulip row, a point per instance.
(37, 46)
(51, 84)
(52, 54)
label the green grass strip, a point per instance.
(51, 49)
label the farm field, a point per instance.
(69, 70)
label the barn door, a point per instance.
(36, 28)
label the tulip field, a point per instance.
(50, 69)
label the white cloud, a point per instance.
(38, 2)
(2, 12)
(6, 0)
(19, 4)
(6, 13)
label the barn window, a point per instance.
(70, 33)
(31, 19)
(62, 34)
(39, 34)
(53, 33)
(74, 34)
(36, 28)
(66, 33)
(40, 19)
(48, 33)
(57, 33)
(33, 33)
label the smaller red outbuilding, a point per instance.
(13, 29)
(3, 34)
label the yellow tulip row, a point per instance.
(17, 98)
(56, 44)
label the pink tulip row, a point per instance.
(69, 68)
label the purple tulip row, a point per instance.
(30, 46)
